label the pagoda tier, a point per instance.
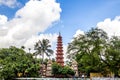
(59, 54)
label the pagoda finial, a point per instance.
(59, 34)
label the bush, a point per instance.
(59, 70)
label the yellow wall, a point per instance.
(95, 75)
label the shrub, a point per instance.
(59, 70)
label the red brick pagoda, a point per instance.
(59, 54)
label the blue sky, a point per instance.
(83, 14)
(68, 18)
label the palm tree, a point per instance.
(43, 48)
(22, 47)
(29, 49)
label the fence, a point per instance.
(94, 78)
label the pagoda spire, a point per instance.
(59, 34)
(59, 54)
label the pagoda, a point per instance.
(59, 54)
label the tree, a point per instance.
(15, 62)
(29, 49)
(59, 71)
(22, 47)
(112, 55)
(87, 50)
(43, 47)
(56, 69)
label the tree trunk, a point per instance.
(42, 63)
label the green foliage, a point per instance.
(56, 68)
(95, 52)
(14, 61)
(43, 47)
(59, 70)
(69, 71)
(112, 56)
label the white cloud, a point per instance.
(36, 16)
(78, 32)
(32, 40)
(112, 27)
(9, 3)
(3, 19)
